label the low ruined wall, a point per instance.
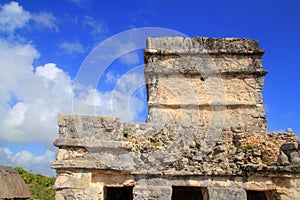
(95, 152)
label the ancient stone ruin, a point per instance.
(205, 137)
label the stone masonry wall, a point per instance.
(95, 152)
(187, 78)
(206, 129)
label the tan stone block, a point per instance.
(73, 180)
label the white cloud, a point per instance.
(98, 28)
(15, 65)
(29, 103)
(72, 47)
(13, 16)
(38, 95)
(45, 19)
(38, 164)
(49, 71)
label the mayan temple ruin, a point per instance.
(205, 137)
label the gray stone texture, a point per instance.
(206, 128)
(222, 193)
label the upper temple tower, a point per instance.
(207, 82)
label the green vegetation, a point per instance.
(200, 168)
(155, 142)
(74, 136)
(138, 148)
(126, 132)
(41, 187)
(249, 147)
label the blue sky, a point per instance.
(43, 45)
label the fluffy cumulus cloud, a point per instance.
(13, 16)
(38, 164)
(30, 99)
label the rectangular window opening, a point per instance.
(184, 193)
(257, 195)
(118, 193)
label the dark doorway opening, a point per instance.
(184, 193)
(118, 193)
(256, 195)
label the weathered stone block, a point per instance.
(152, 192)
(222, 193)
(283, 159)
(77, 180)
(171, 45)
(295, 158)
(289, 146)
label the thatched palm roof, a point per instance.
(12, 185)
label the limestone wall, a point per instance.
(96, 152)
(187, 78)
(206, 132)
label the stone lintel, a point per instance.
(200, 45)
(198, 105)
(92, 144)
(249, 170)
(225, 193)
(89, 165)
(76, 164)
(152, 192)
(195, 72)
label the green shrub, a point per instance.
(40, 187)
(126, 132)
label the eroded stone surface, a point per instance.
(206, 128)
